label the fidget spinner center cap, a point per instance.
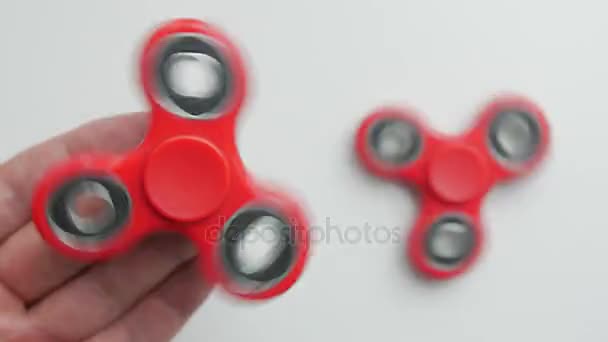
(457, 174)
(186, 178)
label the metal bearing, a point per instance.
(192, 46)
(88, 210)
(514, 136)
(450, 240)
(395, 141)
(279, 259)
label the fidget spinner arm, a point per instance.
(452, 174)
(186, 176)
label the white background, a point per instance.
(318, 66)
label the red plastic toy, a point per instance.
(451, 174)
(186, 176)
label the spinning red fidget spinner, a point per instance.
(186, 176)
(452, 173)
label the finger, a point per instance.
(9, 302)
(161, 314)
(19, 175)
(16, 328)
(30, 268)
(92, 301)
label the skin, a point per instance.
(145, 295)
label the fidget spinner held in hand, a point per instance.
(452, 174)
(186, 176)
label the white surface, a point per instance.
(318, 67)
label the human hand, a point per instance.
(144, 295)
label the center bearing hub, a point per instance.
(457, 174)
(186, 178)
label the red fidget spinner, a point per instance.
(186, 176)
(452, 173)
